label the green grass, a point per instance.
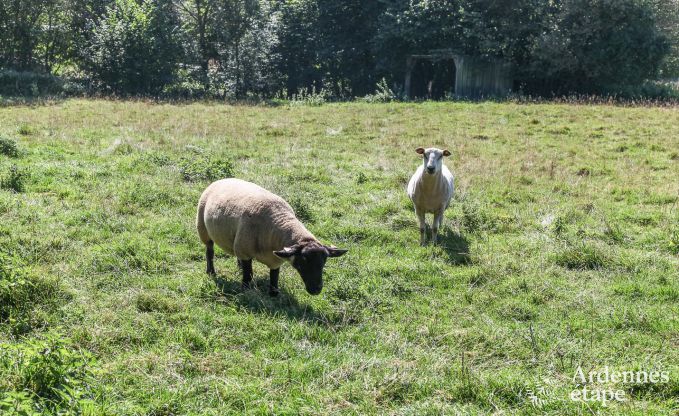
(559, 250)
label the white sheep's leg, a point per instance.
(438, 219)
(423, 226)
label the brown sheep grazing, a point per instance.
(249, 222)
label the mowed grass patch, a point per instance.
(559, 251)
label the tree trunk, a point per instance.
(201, 22)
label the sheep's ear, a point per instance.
(335, 252)
(419, 150)
(446, 153)
(286, 253)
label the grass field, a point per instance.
(561, 249)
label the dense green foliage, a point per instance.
(560, 249)
(264, 48)
(667, 15)
(134, 48)
(8, 147)
(45, 377)
(589, 50)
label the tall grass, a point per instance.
(558, 251)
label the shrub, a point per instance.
(595, 43)
(45, 376)
(383, 93)
(650, 90)
(134, 48)
(309, 97)
(8, 147)
(29, 84)
(25, 130)
(13, 180)
(185, 88)
(203, 168)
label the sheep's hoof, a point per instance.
(273, 292)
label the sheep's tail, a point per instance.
(200, 222)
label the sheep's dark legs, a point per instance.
(273, 282)
(246, 266)
(210, 257)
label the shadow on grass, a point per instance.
(456, 247)
(257, 300)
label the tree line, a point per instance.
(265, 48)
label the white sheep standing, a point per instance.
(249, 222)
(431, 188)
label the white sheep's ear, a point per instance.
(286, 253)
(335, 252)
(419, 150)
(446, 153)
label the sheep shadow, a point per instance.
(455, 246)
(257, 300)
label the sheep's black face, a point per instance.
(309, 260)
(310, 266)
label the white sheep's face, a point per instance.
(433, 159)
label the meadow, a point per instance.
(560, 250)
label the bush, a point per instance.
(134, 49)
(29, 84)
(383, 94)
(597, 44)
(45, 376)
(309, 97)
(186, 86)
(8, 147)
(13, 180)
(650, 90)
